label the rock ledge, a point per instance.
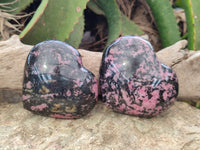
(177, 128)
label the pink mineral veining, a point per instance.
(25, 97)
(133, 81)
(55, 80)
(28, 85)
(60, 61)
(39, 107)
(66, 116)
(95, 88)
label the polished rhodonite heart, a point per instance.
(55, 82)
(133, 81)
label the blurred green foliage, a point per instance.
(63, 20)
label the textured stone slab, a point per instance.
(176, 129)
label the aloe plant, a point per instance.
(76, 35)
(192, 11)
(55, 20)
(118, 24)
(165, 21)
(113, 16)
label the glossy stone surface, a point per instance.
(55, 82)
(133, 81)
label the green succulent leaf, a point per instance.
(192, 11)
(113, 16)
(93, 6)
(53, 20)
(118, 24)
(179, 3)
(16, 5)
(30, 26)
(129, 27)
(165, 21)
(77, 34)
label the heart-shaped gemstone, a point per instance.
(133, 81)
(55, 82)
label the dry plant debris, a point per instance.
(9, 23)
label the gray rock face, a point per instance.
(177, 128)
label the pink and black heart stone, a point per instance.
(55, 82)
(133, 81)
